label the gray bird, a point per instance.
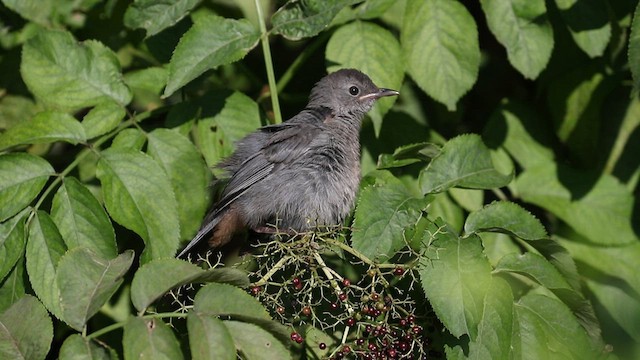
(301, 174)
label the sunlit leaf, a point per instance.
(45, 127)
(301, 19)
(505, 217)
(150, 339)
(154, 16)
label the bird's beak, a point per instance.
(380, 93)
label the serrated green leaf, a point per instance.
(456, 277)
(544, 328)
(302, 19)
(383, 214)
(155, 16)
(212, 41)
(150, 339)
(591, 204)
(138, 195)
(209, 338)
(102, 119)
(46, 127)
(254, 343)
(13, 287)
(87, 281)
(77, 347)
(81, 219)
(12, 243)
(223, 299)
(223, 119)
(507, 217)
(464, 161)
(522, 27)
(22, 176)
(187, 173)
(440, 44)
(45, 247)
(634, 49)
(519, 130)
(588, 23)
(494, 329)
(26, 330)
(372, 50)
(68, 75)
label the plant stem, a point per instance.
(118, 325)
(268, 63)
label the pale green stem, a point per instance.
(268, 63)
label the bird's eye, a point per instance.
(354, 90)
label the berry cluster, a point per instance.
(375, 317)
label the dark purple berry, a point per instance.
(333, 306)
(351, 322)
(256, 290)
(411, 319)
(398, 271)
(322, 346)
(346, 282)
(342, 297)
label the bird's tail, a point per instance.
(206, 229)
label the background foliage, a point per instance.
(111, 113)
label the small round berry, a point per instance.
(298, 286)
(380, 306)
(374, 296)
(368, 329)
(346, 349)
(371, 272)
(350, 322)
(322, 346)
(399, 271)
(346, 282)
(372, 347)
(295, 336)
(411, 319)
(280, 310)
(392, 353)
(295, 281)
(333, 306)
(339, 355)
(416, 329)
(360, 341)
(256, 290)
(342, 297)
(402, 322)
(306, 311)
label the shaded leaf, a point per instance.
(522, 27)
(87, 281)
(138, 195)
(155, 16)
(37, 11)
(301, 19)
(26, 330)
(150, 339)
(102, 119)
(588, 23)
(255, 343)
(494, 329)
(383, 214)
(634, 49)
(592, 206)
(13, 287)
(12, 243)
(224, 299)
(76, 347)
(45, 247)
(209, 337)
(68, 75)
(372, 50)
(187, 173)
(81, 220)
(464, 161)
(45, 127)
(440, 44)
(151, 79)
(212, 41)
(507, 217)
(22, 176)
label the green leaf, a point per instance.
(81, 219)
(151, 79)
(506, 217)
(12, 243)
(469, 199)
(464, 161)
(495, 327)
(209, 338)
(102, 119)
(38, 11)
(440, 44)
(187, 173)
(212, 41)
(138, 195)
(77, 347)
(218, 126)
(44, 250)
(255, 343)
(374, 51)
(519, 130)
(129, 139)
(443, 207)
(634, 49)
(155, 16)
(456, 277)
(522, 27)
(15, 109)
(591, 204)
(588, 22)
(313, 337)
(383, 214)
(223, 299)
(26, 330)
(22, 176)
(68, 75)
(545, 329)
(150, 339)
(87, 281)
(46, 127)
(13, 287)
(302, 19)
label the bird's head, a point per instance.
(347, 91)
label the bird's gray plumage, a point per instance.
(303, 173)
